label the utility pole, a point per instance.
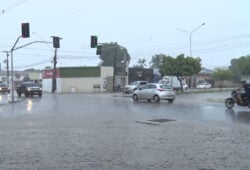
(54, 72)
(124, 72)
(7, 66)
(56, 44)
(114, 70)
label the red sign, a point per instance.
(46, 74)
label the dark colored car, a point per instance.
(29, 89)
(4, 88)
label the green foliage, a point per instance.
(141, 63)
(240, 66)
(113, 53)
(156, 60)
(180, 66)
(222, 74)
(32, 69)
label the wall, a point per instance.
(79, 84)
(77, 79)
(47, 85)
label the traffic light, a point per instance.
(93, 43)
(56, 42)
(99, 50)
(25, 30)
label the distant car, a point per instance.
(4, 88)
(155, 92)
(204, 86)
(133, 86)
(29, 89)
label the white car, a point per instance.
(204, 86)
(133, 86)
(154, 92)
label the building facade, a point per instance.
(77, 79)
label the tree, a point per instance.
(156, 61)
(180, 67)
(141, 63)
(222, 74)
(47, 67)
(113, 54)
(240, 66)
(31, 69)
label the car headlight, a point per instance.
(28, 89)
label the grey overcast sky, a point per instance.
(144, 27)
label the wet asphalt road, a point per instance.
(101, 131)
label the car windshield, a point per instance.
(30, 84)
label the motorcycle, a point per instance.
(236, 95)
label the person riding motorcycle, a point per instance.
(243, 96)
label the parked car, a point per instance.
(29, 89)
(204, 86)
(133, 86)
(4, 88)
(155, 92)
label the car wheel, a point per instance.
(40, 95)
(26, 94)
(135, 98)
(170, 100)
(156, 99)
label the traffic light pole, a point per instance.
(12, 72)
(54, 72)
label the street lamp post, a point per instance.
(190, 36)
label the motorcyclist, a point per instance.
(246, 94)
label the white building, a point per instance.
(78, 79)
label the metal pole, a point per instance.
(190, 44)
(190, 36)
(8, 74)
(12, 77)
(54, 73)
(124, 75)
(114, 71)
(12, 71)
